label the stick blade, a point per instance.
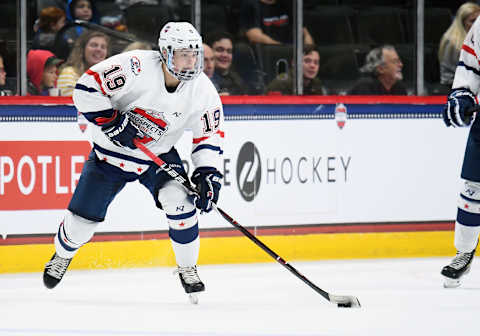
(345, 301)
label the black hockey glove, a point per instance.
(459, 110)
(207, 182)
(121, 131)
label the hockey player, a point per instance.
(153, 96)
(460, 112)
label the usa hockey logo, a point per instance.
(340, 115)
(249, 171)
(135, 65)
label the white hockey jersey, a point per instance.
(133, 83)
(467, 74)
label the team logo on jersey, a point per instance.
(340, 115)
(249, 171)
(135, 65)
(151, 123)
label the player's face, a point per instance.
(222, 49)
(392, 67)
(469, 20)
(50, 76)
(184, 59)
(311, 64)
(95, 50)
(208, 61)
(83, 10)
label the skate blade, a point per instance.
(451, 283)
(193, 298)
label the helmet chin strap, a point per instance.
(170, 79)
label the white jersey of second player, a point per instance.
(133, 83)
(467, 74)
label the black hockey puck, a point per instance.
(345, 305)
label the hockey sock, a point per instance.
(466, 237)
(186, 254)
(467, 226)
(74, 231)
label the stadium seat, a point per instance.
(214, 18)
(310, 4)
(145, 21)
(338, 62)
(246, 64)
(339, 67)
(380, 25)
(330, 25)
(274, 59)
(437, 21)
(369, 3)
(431, 64)
(9, 20)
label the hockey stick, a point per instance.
(340, 300)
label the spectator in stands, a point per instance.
(225, 79)
(76, 10)
(42, 72)
(384, 69)
(138, 46)
(452, 40)
(269, 22)
(283, 83)
(4, 90)
(51, 20)
(208, 61)
(3, 73)
(90, 48)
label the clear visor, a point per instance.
(185, 64)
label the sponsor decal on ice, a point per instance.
(340, 115)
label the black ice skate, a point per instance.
(459, 266)
(190, 282)
(54, 271)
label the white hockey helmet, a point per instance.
(181, 36)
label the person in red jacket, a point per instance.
(42, 72)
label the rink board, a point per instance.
(232, 250)
(288, 162)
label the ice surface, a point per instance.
(398, 297)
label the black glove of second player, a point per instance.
(207, 181)
(458, 111)
(121, 131)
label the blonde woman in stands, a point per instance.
(90, 48)
(452, 40)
